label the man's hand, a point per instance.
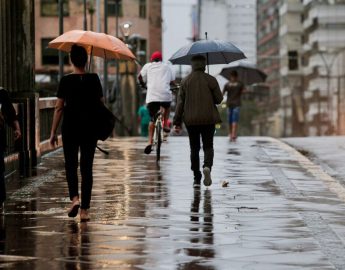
(16, 130)
(17, 134)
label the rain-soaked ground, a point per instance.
(279, 211)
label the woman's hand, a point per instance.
(53, 140)
(177, 129)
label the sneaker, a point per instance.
(197, 178)
(207, 176)
(73, 211)
(196, 183)
(148, 149)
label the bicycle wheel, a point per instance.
(159, 141)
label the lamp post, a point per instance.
(332, 55)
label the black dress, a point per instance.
(81, 94)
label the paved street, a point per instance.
(326, 151)
(280, 211)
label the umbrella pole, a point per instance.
(90, 63)
(208, 69)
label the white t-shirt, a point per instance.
(158, 76)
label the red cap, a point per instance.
(157, 55)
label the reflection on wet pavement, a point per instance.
(277, 213)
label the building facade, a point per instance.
(269, 121)
(144, 17)
(323, 44)
(230, 20)
(291, 77)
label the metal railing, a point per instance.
(35, 135)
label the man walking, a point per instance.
(8, 116)
(158, 76)
(234, 90)
(198, 95)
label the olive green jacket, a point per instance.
(197, 98)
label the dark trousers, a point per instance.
(2, 178)
(206, 132)
(71, 146)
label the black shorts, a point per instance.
(154, 107)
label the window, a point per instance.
(51, 56)
(142, 51)
(51, 8)
(115, 8)
(142, 9)
(293, 60)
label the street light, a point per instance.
(126, 29)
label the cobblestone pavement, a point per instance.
(280, 211)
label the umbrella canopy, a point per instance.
(215, 51)
(97, 44)
(247, 73)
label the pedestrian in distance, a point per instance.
(196, 107)
(234, 90)
(157, 76)
(7, 116)
(144, 120)
(78, 96)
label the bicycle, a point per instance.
(158, 134)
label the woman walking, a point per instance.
(78, 96)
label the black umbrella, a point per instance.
(215, 51)
(247, 73)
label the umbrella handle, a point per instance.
(90, 63)
(208, 69)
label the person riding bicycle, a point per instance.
(158, 76)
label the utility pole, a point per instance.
(105, 68)
(199, 20)
(117, 94)
(85, 17)
(61, 64)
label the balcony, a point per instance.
(290, 7)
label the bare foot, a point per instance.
(84, 215)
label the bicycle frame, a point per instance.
(158, 134)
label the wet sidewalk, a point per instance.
(280, 211)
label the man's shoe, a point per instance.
(207, 176)
(197, 178)
(73, 211)
(196, 183)
(148, 149)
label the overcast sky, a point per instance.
(177, 25)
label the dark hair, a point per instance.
(234, 73)
(78, 56)
(198, 58)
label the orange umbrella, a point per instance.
(98, 44)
